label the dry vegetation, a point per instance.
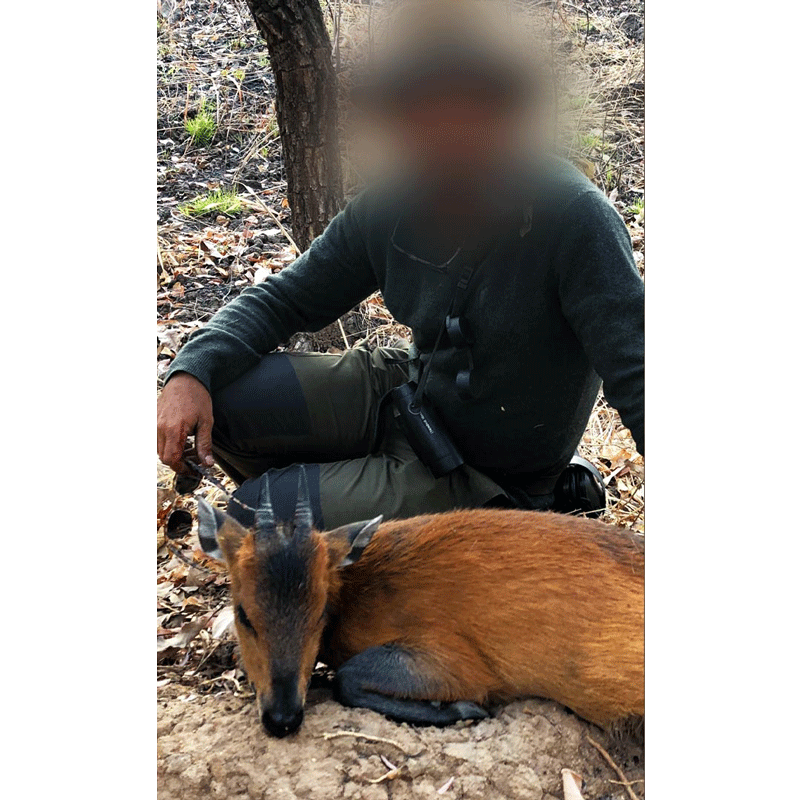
(217, 134)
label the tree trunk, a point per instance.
(300, 55)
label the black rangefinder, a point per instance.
(425, 431)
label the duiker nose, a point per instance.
(281, 722)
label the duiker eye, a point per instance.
(243, 618)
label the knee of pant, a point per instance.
(404, 474)
(283, 489)
(268, 398)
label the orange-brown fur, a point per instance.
(240, 549)
(504, 604)
(507, 604)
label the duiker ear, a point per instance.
(348, 542)
(209, 522)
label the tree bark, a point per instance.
(300, 55)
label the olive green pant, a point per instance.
(325, 412)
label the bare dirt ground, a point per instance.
(210, 742)
(214, 747)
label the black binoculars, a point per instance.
(425, 431)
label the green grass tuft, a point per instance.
(636, 207)
(202, 126)
(590, 141)
(220, 201)
(593, 143)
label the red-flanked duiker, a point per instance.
(429, 619)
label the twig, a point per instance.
(387, 776)
(611, 763)
(182, 557)
(204, 473)
(344, 335)
(393, 772)
(186, 107)
(625, 783)
(357, 734)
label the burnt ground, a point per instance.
(210, 58)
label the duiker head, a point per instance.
(281, 572)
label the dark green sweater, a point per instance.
(557, 306)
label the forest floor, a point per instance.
(223, 224)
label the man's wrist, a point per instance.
(173, 372)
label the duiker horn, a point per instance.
(303, 516)
(265, 516)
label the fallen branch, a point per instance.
(611, 763)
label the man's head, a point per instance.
(453, 96)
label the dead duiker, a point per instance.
(428, 619)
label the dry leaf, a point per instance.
(572, 783)
(179, 572)
(230, 675)
(262, 273)
(165, 495)
(184, 637)
(210, 249)
(223, 623)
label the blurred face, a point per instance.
(456, 137)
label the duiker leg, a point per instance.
(396, 682)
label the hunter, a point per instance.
(514, 273)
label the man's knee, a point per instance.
(266, 401)
(283, 487)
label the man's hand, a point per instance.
(184, 408)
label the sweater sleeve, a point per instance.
(602, 298)
(331, 277)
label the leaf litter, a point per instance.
(212, 54)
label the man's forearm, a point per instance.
(227, 347)
(325, 282)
